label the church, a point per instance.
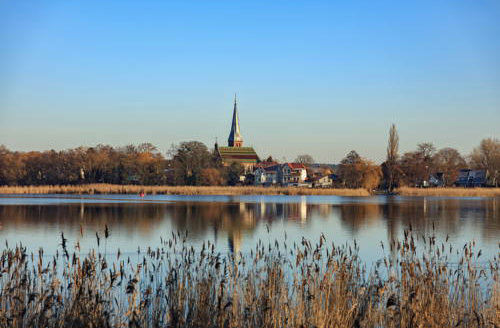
(235, 152)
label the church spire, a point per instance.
(235, 139)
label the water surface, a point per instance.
(237, 223)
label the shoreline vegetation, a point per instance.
(91, 189)
(420, 282)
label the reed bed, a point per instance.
(311, 284)
(176, 190)
(451, 192)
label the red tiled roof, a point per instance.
(296, 166)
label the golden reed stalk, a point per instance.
(451, 192)
(419, 283)
(176, 190)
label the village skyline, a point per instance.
(320, 78)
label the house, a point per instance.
(235, 152)
(266, 173)
(471, 178)
(315, 171)
(292, 174)
(436, 179)
(325, 181)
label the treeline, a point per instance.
(415, 167)
(192, 163)
(189, 163)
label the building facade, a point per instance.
(292, 174)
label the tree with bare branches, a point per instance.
(391, 162)
(487, 157)
(305, 159)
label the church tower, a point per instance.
(235, 152)
(235, 139)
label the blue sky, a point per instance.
(317, 77)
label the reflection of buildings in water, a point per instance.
(198, 218)
(235, 220)
(303, 209)
(234, 242)
(296, 211)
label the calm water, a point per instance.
(237, 223)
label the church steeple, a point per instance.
(235, 139)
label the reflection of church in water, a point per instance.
(251, 213)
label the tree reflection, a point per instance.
(238, 221)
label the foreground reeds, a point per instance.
(418, 284)
(176, 190)
(451, 192)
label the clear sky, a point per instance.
(317, 77)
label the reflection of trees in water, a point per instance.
(92, 217)
(447, 215)
(235, 219)
(355, 216)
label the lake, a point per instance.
(237, 223)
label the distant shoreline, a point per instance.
(91, 189)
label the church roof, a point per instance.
(235, 134)
(238, 154)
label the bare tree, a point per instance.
(449, 162)
(487, 157)
(304, 159)
(392, 157)
(416, 166)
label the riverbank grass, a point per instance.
(177, 190)
(91, 189)
(451, 192)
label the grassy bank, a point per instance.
(91, 189)
(177, 190)
(306, 285)
(452, 192)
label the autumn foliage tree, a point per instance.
(211, 177)
(188, 161)
(357, 172)
(101, 164)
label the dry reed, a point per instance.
(275, 285)
(176, 190)
(451, 192)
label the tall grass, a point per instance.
(452, 192)
(176, 190)
(275, 285)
